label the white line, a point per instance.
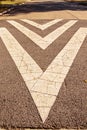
(42, 27)
(44, 87)
(51, 81)
(46, 41)
(27, 67)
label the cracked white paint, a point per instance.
(55, 74)
(47, 40)
(43, 86)
(21, 58)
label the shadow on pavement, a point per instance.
(45, 6)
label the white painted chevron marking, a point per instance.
(44, 86)
(42, 27)
(46, 41)
(54, 76)
(25, 64)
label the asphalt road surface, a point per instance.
(43, 68)
(44, 6)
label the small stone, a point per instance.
(85, 81)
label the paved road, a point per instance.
(44, 6)
(43, 65)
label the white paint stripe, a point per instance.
(42, 27)
(51, 81)
(29, 70)
(46, 41)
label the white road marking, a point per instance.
(51, 81)
(27, 67)
(42, 27)
(46, 41)
(43, 86)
